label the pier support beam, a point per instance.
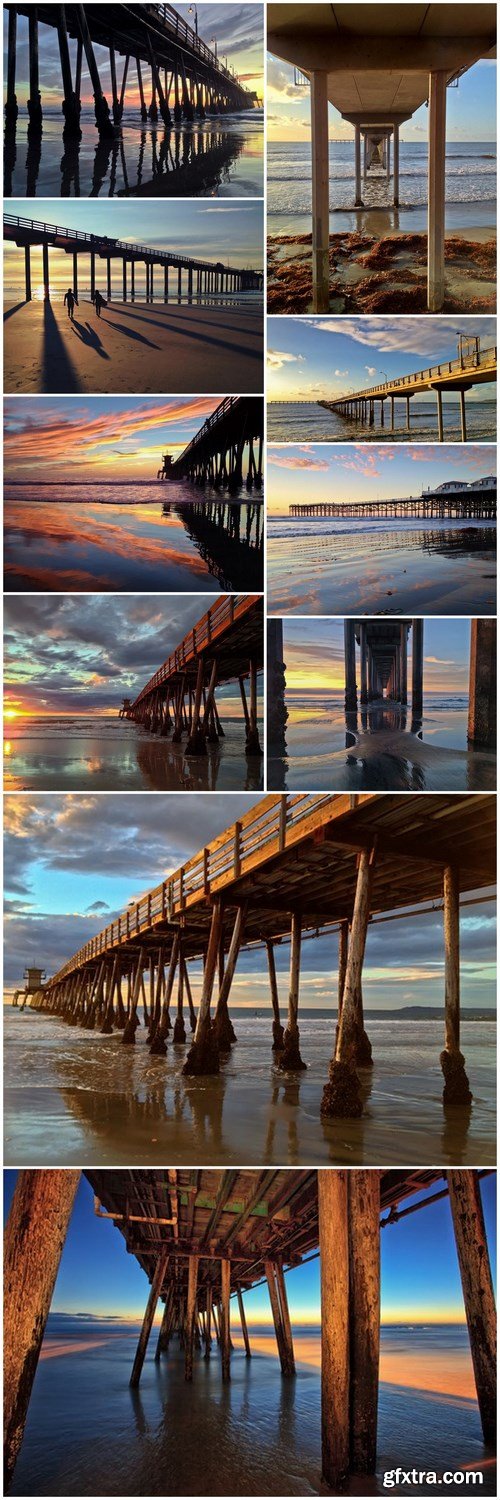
(45, 269)
(334, 1261)
(351, 701)
(364, 663)
(11, 108)
(101, 106)
(243, 1321)
(278, 1032)
(156, 1286)
(190, 1316)
(36, 1230)
(320, 192)
(290, 1059)
(223, 1026)
(477, 1287)
(456, 1084)
(463, 422)
(27, 272)
(363, 1195)
(203, 1055)
(481, 727)
(341, 1095)
(396, 167)
(71, 105)
(417, 667)
(358, 201)
(277, 712)
(225, 1330)
(34, 101)
(286, 1357)
(436, 210)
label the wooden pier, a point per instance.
(178, 75)
(206, 1238)
(192, 278)
(290, 866)
(225, 646)
(473, 366)
(474, 502)
(227, 452)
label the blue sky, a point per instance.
(312, 358)
(420, 1278)
(471, 108)
(64, 884)
(354, 472)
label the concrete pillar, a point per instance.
(417, 666)
(108, 279)
(364, 663)
(34, 101)
(45, 263)
(477, 1287)
(436, 190)
(34, 1239)
(481, 727)
(358, 201)
(396, 167)
(11, 110)
(351, 701)
(92, 274)
(439, 396)
(403, 696)
(463, 424)
(320, 192)
(388, 157)
(124, 280)
(27, 272)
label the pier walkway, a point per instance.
(203, 277)
(474, 366)
(225, 646)
(291, 866)
(184, 77)
(205, 1237)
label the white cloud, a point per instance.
(276, 358)
(422, 335)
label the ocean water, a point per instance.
(73, 1096)
(470, 186)
(307, 421)
(347, 567)
(123, 537)
(87, 1433)
(110, 754)
(380, 748)
(218, 157)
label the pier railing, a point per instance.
(103, 243)
(263, 832)
(217, 619)
(481, 359)
(222, 410)
(174, 22)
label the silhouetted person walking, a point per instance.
(100, 301)
(69, 301)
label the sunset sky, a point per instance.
(314, 655)
(471, 108)
(97, 437)
(353, 472)
(73, 862)
(74, 655)
(238, 30)
(420, 1277)
(213, 231)
(320, 358)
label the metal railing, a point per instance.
(217, 619)
(102, 242)
(171, 19)
(482, 359)
(221, 411)
(259, 835)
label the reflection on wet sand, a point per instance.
(90, 1099)
(152, 161)
(70, 754)
(386, 749)
(229, 537)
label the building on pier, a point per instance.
(206, 1239)
(454, 499)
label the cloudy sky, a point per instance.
(471, 109)
(212, 231)
(420, 1275)
(314, 655)
(357, 471)
(98, 437)
(70, 654)
(316, 358)
(73, 862)
(238, 30)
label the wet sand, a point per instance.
(385, 272)
(338, 569)
(177, 349)
(378, 756)
(258, 1434)
(112, 754)
(74, 1096)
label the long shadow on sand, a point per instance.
(203, 338)
(58, 371)
(143, 318)
(11, 310)
(131, 333)
(88, 335)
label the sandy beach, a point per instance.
(378, 757)
(177, 348)
(371, 273)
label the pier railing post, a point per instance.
(34, 1239)
(477, 1287)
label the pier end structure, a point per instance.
(183, 76)
(206, 1238)
(290, 867)
(195, 278)
(362, 61)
